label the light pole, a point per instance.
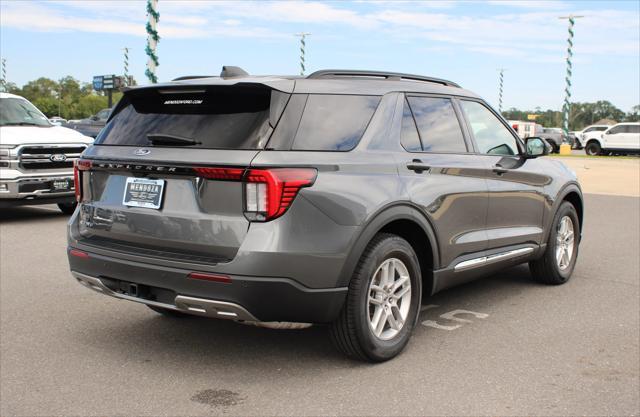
(500, 87)
(302, 47)
(567, 90)
(3, 81)
(126, 66)
(152, 40)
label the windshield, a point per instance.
(214, 118)
(19, 112)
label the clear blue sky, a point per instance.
(459, 40)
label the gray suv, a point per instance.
(342, 198)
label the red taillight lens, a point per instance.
(270, 192)
(79, 165)
(229, 174)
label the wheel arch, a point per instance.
(406, 221)
(572, 194)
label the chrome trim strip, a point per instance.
(184, 304)
(484, 260)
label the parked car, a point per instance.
(590, 132)
(341, 198)
(90, 126)
(57, 121)
(622, 138)
(553, 136)
(36, 157)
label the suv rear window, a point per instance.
(213, 118)
(334, 122)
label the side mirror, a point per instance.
(536, 147)
(94, 118)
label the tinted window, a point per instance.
(334, 122)
(633, 128)
(596, 129)
(438, 125)
(617, 129)
(409, 137)
(218, 118)
(490, 134)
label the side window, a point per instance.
(491, 135)
(438, 125)
(600, 128)
(616, 129)
(409, 137)
(633, 128)
(334, 122)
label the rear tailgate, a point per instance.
(168, 198)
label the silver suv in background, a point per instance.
(342, 198)
(36, 156)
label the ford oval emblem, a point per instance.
(142, 151)
(58, 157)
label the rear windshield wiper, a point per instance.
(168, 139)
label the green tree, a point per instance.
(633, 115)
(42, 87)
(47, 105)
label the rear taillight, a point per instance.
(79, 165)
(270, 192)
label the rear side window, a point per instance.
(438, 125)
(213, 118)
(409, 137)
(334, 122)
(633, 128)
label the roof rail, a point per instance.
(192, 77)
(397, 76)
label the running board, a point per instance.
(489, 259)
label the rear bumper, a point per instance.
(244, 298)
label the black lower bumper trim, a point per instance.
(266, 298)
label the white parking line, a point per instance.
(452, 316)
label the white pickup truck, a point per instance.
(36, 157)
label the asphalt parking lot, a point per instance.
(500, 346)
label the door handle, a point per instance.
(417, 166)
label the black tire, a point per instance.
(168, 313)
(67, 208)
(546, 269)
(593, 148)
(351, 332)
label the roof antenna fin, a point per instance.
(229, 71)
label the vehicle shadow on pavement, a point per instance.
(197, 343)
(29, 213)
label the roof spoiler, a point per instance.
(228, 71)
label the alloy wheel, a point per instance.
(389, 299)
